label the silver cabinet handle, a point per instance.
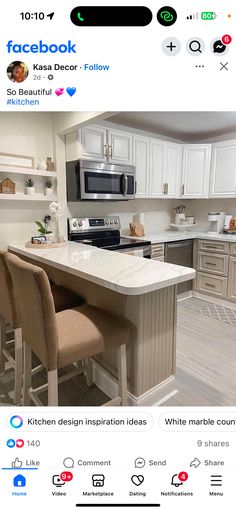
(106, 152)
(110, 151)
(210, 264)
(182, 190)
(126, 185)
(209, 285)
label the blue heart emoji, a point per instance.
(71, 91)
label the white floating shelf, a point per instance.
(26, 171)
(22, 196)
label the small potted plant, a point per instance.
(43, 228)
(49, 189)
(30, 189)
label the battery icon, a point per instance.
(208, 15)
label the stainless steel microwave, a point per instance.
(95, 180)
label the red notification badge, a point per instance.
(183, 476)
(226, 39)
(66, 476)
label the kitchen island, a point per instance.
(141, 290)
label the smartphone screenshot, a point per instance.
(117, 254)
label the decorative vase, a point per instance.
(49, 192)
(30, 190)
(57, 230)
(50, 165)
(42, 164)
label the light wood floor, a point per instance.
(206, 361)
(206, 367)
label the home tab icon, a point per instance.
(19, 481)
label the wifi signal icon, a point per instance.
(194, 16)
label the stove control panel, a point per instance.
(93, 224)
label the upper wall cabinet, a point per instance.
(93, 142)
(223, 172)
(141, 163)
(196, 171)
(119, 147)
(165, 169)
(104, 144)
(99, 144)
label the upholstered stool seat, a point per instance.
(10, 314)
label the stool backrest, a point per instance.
(9, 308)
(38, 318)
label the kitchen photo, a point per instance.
(118, 259)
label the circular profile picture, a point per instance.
(17, 71)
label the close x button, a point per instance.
(125, 16)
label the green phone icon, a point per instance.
(80, 17)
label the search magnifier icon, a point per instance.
(195, 46)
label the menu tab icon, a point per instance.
(216, 480)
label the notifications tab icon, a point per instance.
(123, 16)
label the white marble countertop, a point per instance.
(122, 273)
(167, 236)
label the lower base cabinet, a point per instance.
(212, 284)
(232, 279)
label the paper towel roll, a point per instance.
(140, 218)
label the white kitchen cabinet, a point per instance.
(223, 171)
(141, 163)
(93, 143)
(119, 147)
(196, 171)
(172, 172)
(102, 144)
(165, 169)
(157, 160)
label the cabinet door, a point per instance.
(120, 147)
(157, 165)
(141, 162)
(232, 279)
(196, 171)
(223, 173)
(93, 141)
(172, 172)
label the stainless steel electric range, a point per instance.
(104, 232)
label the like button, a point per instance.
(17, 463)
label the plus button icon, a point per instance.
(171, 46)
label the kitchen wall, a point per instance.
(30, 134)
(157, 213)
(201, 208)
(33, 134)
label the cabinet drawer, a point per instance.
(157, 250)
(233, 249)
(158, 258)
(216, 264)
(214, 246)
(212, 284)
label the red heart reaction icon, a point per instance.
(20, 443)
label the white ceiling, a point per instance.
(185, 126)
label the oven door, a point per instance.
(106, 185)
(144, 251)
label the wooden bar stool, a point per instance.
(10, 313)
(59, 339)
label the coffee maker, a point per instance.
(216, 220)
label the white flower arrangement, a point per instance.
(56, 209)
